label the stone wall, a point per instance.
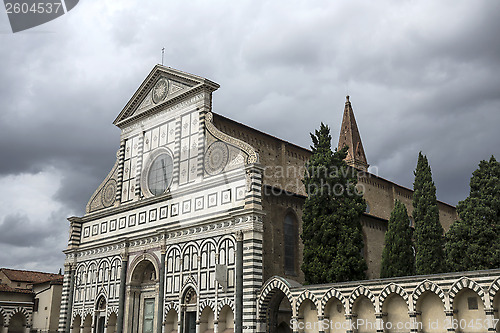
(453, 302)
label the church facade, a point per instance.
(197, 213)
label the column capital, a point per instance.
(239, 236)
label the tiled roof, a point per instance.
(30, 276)
(6, 288)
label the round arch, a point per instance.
(18, 321)
(140, 261)
(362, 291)
(393, 289)
(269, 289)
(427, 286)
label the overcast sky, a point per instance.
(422, 75)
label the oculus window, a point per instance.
(160, 174)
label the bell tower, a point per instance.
(349, 135)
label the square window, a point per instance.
(112, 225)
(152, 215)
(86, 232)
(174, 209)
(212, 200)
(240, 193)
(142, 218)
(163, 212)
(131, 220)
(123, 222)
(198, 203)
(104, 227)
(472, 303)
(95, 229)
(225, 196)
(186, 206)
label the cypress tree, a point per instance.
(472, 243)
(331, 233)
(429, 239)
(397, 256)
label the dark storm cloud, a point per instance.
(423, 76)
(31, 244)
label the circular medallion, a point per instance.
(160, 173)
(216, 158)
(160, 90)
(108, 195)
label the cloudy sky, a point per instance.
(422, 75)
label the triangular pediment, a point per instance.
(162, 86)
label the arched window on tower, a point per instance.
(290, 242)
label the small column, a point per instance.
(161, 291)
(413, 321)
(216, 326)
(295, 327)
(123, 283)
(27, 329)
(197, 326)
(348, 318)
(449, 319)
(5, 329)
(379, 322)
(105, 328)
(321, 328)
(490, 319)
(81, 328)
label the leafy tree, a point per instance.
(429, 239)
(472, 242)
(397, 256)
(331, 216)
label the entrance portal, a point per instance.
(189, 311)
(190, 322)
(143, 307)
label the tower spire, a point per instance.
(349, 135)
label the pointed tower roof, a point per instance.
(349, 135)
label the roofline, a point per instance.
(309, 151)
(261, 132)
(195, 79)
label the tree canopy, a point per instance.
(332, 235)
(473, 242)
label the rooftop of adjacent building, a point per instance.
(31, 277)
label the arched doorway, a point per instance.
(430, 310)
(279, 313)
(396, 318)
(207, 320)
(142, 304)
(111, 323)
(335, 314)
(468, 308)
(308, 317)
(188, 306)
(171, 324)
(100, 313)
(363, 313)
(226, 320)
(87, 324)
(17, 323)
(77, 322)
